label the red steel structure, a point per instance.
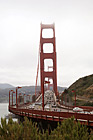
(86, 119)
(37, 71)
(43, 56)
(25, 110)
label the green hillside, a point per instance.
(83, 88)
(83, 85)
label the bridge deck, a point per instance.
(86, 119)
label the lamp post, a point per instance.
(12, 97)
(65, 99)
(68, 103)
(23, 98)
(9, 96)
(19, 98)
(75, 95)
(65, 91)
(62, 97)
(16, 95)
(29, 97)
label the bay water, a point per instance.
(3, 110)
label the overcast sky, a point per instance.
(20, 34)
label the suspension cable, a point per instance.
(37, 70)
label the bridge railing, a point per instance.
(64, 115)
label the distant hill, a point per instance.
(83, 86)
(4, 90)
(31, 89)
(5, 85)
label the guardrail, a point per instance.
(53, 116)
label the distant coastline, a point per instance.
(4, 91)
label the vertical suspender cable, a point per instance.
(37, 70)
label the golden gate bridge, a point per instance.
(46, 105)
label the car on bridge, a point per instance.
(77, 109)
(91, 112)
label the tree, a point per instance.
(67, 130)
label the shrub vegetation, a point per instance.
(67, 130)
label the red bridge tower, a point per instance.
(48, 74)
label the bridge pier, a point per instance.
(45, 124)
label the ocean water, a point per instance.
(3, 110)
